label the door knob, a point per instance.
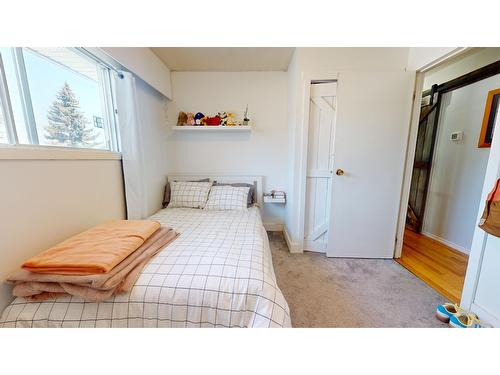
(339, 172)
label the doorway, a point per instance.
(321, 130)
(446, 183)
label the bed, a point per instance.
(217, 273)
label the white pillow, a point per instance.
(189, 194)
(227, 198)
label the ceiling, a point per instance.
(225, 59)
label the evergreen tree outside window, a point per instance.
(67, 123)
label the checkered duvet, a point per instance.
(218, 273)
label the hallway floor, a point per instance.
(440, 266)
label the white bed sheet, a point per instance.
(217, 273)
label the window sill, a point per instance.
(28, 152)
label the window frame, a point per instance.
(6, 107)
(25, 94)
(34, 150)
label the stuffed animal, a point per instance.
(223, 118)
(182, 119)
(190, 119)
(231, 120)
(204, 120)
(198, 117)
(213, 121)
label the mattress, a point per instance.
(217, 273)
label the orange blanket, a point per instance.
(37, 286)
(97, 250)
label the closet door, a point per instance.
(319, 165)
(371, 137)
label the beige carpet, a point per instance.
(338, 292)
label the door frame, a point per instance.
(412, 138)
(332, 138)
(412, 142)
(306, 79)
(411, 148)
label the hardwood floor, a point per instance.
(440, 266)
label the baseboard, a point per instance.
(292, 246)
(447, 243)
(273, 227)
(485, 316)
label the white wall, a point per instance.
(482, 282)
(486, 298)
(153, 118)
(420, 58)
(324, 63)
(45, 201)
(462, 64)
(262, 152)
(458, 167)
(342, 59)
(293, 113)
(144, 64)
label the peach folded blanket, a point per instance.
(94, 251)
(96, 287)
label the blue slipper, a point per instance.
(446, 311)
(465, 320)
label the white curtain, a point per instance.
(130, 140)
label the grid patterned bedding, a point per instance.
(228, 198)
(217, 273)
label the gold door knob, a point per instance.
(339, 172)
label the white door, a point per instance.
(371, 136)
(319, 165)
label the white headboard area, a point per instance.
(254, 180)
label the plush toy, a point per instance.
(182, 119)
(198, 117)
(213, 121)
(190, 119)
(204, 120)
(223, 118)
(231, 120)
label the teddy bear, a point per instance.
(231, 120)
(182, 119)
(190, 119)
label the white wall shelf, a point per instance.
(272, 199)
(213, 128)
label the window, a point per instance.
(3, 128)
(58, 97)
(4, 138)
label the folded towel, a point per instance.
(97, 250)
(37, 286)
